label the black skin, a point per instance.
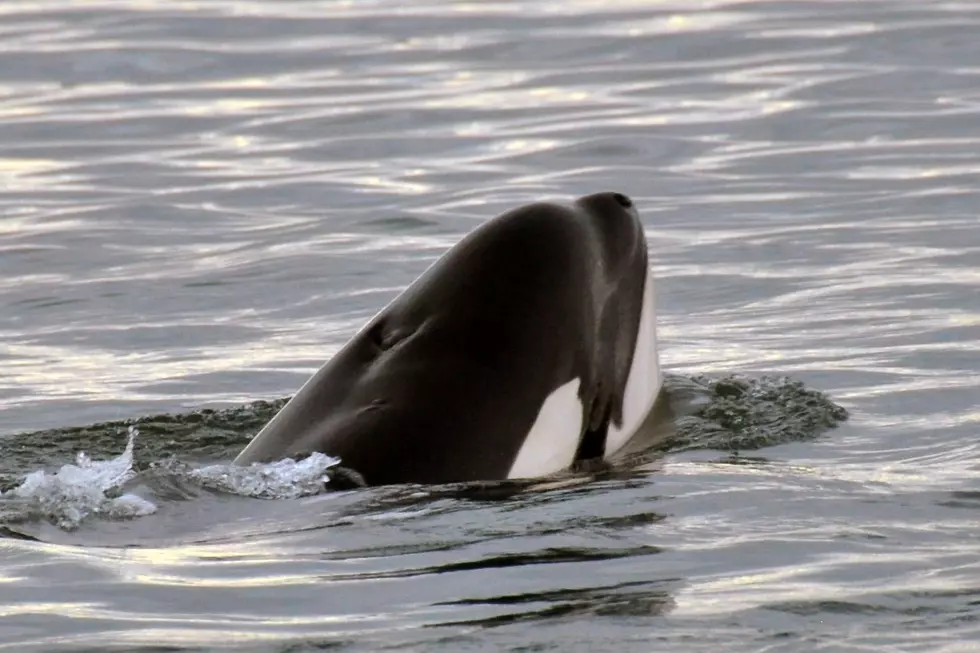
(444, 384)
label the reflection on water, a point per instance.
(199, 202)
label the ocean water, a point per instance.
(201, 201)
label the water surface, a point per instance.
(200, 202)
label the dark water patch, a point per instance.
(12, 533)
(544, 556)
(962, 499)
(43, 302)
(959, 605)
(629, 599)
(400, 224)
(309, 647)
(206, 283)
(549, 556)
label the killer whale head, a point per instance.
(529, 345)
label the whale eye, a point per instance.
(383, 336)
(378, 336)
(622, 200)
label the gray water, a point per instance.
(201, 201)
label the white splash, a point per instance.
(74, 492)
(285, 479)
(91, 487)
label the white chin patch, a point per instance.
(551, 443)
(643, 383)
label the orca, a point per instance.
(529, 346)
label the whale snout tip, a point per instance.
(623, 200)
